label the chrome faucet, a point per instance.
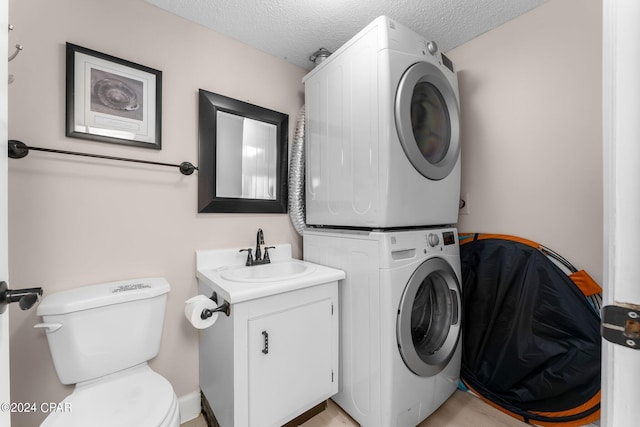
(260, 257)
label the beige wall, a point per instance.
(77, 221)
(532, 130)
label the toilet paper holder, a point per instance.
(224, 308)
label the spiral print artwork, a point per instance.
(119, 95)
(116, 94)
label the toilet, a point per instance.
(101, 337)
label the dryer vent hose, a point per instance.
(296, 176)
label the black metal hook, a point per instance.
(18, 150)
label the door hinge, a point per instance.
(621, 325)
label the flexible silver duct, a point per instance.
(296, 165)
(296, 176)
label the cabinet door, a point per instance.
(290, 358)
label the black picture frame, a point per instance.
(113, 100)
(208, 201)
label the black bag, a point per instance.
(531, 339)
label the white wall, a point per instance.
(532, 130)
(76, 221)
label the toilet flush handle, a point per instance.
(50, 327)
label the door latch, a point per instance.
(621, 325)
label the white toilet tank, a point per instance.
(100, 329)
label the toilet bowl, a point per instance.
(137, 396)
(101, 337)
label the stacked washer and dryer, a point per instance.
(382, 197)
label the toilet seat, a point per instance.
(136, 397)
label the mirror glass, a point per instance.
(243, 156)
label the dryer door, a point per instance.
(427, 120)
(428, 324)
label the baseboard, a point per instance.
(303, 418)
(189, 406)
(207, 412)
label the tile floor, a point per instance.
(461, 410)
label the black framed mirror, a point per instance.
(242, 157)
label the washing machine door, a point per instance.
(428, 120)
(428, 324)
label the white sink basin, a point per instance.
(274, 272)
(223, 271)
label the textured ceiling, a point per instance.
(294, 29)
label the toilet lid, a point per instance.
(142, 398)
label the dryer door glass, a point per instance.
(428, 324)
(427, 120)
(430, 122)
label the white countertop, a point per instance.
(211, 266)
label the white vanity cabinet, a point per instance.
(291, 355)
(276, 355)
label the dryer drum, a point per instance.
(531, 327)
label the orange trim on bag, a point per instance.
(595, 400)
(470, 237)
(587, 285)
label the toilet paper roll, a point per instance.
(193, 311)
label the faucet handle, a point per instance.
(266, 253)
(249, 256)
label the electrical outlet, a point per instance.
(464, 204)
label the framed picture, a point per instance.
(112, 100)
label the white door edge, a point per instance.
(621, 154)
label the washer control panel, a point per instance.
(440, 241)
(409, 245)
